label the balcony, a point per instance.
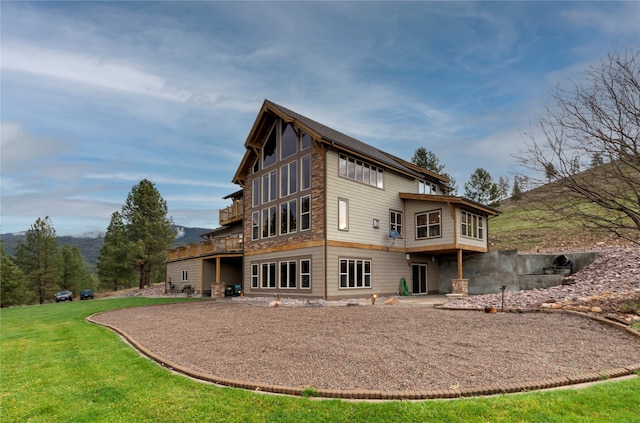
(209, 247)
(231, 214)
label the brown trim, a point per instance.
(450, 200)
(279, 248)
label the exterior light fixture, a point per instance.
(376, 224)
(373, 298)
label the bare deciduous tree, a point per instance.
(599, 117)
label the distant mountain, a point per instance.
(91, 243)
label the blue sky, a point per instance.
(96, 96)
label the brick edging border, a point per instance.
(364, 394)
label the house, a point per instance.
(325, 215)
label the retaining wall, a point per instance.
(487, 272)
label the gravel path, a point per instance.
(374, 347)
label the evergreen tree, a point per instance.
(426, 159)
(147, 225)
(503, 187)
(13, 283)
(38, 258)
(73, 273)
(482, 189)
(115, 262)
(516, 191)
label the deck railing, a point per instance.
(231, 214)
(208, 247)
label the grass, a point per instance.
(54, 366)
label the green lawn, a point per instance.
(56, 367)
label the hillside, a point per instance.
(90, 246)
(527, 225)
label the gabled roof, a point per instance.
(328, 136)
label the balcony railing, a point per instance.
(231, 214)
(206, 248)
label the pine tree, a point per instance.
(147, 225)
(13, 283)
(73, 273)
(38, 258)
(115, 262)
(426, 159)
(482, 189)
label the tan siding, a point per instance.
(366, 203)
(416, 207)
(387, 269)
(316, 256)
(194, 273)
(472, 242)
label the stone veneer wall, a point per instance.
(317, 209)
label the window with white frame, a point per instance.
(306, 173)
(360, 171)
(305, 141)
(269, 221)
(427, 188)
(355, 273)
(255, 192)
(305, 274)
(289, 179)
(305, 213)
(395, 221)
(288, 274)
(255, 225)
(268, 275)
(185, 275)
(343, 214)
(255, 275)
(288, 217)
(428, 224)
(472, 225)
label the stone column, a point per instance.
(460, 288)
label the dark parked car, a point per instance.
(64, 296)
(85, 294)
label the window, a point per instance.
(268, 275)
(288, 274)
(305, 213)
(305, 141)
(289, 179)
(472, 225)
(395, 222)
(288, 217)
(269, 187)
(255, 192)
(360, 171)
(255, 276)
(288, 141)
(255, 225)
(306, 172)
(428, 225)
(269, 148)
(355, 273)
(305, 273)
(185, 275)
(343, 214)
(269, 221)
